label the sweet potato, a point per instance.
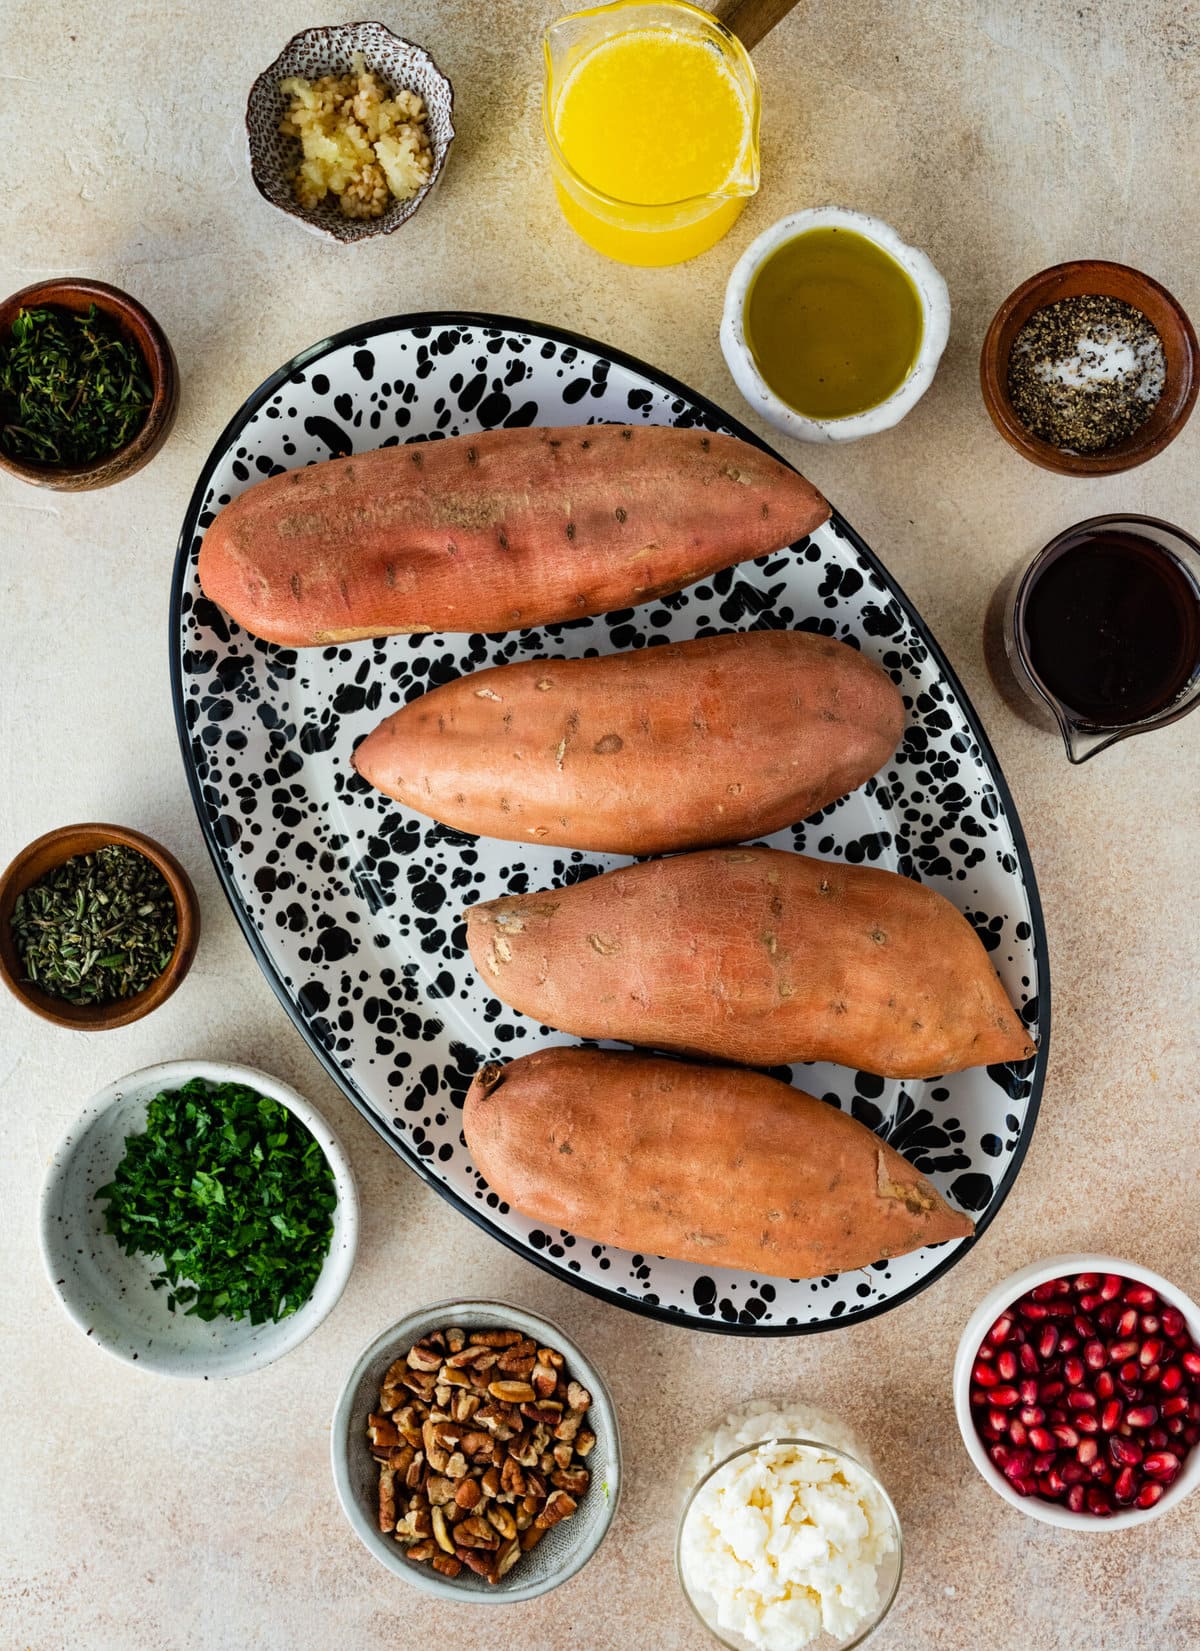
(710, 741)
(708, 1164)
(497, 531)
(752, 955)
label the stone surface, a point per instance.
(999, 136)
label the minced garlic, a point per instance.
(360, 143)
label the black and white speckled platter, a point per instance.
(352, 905)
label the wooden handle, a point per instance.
(750, 20)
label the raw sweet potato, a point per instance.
(708, 1164)
(496, 531)
(710, 741)
(749, 954)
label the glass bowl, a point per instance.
(826, 1442)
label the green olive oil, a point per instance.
(834, 323)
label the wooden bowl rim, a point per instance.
(1099, 276)
(52, 849)
(76, 293)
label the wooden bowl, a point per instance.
(51, 850)
(1093, 277)
(140, 328)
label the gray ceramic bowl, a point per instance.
(566, 1548)
(315, 52)
(109, 1294)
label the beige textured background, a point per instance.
(1002, 136)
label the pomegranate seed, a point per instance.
(1174, 1407)
(1066, 1436)
(1098, 1502)
(1068, 1341)
(998, 1454)
(1005, 1397)
(1171, 1379)
(987, 1351)
(1141, 1295)
(1086, 1422)
(1193, 1411)
(1144, 1415)
(1033, 1310)
(1094, 1355)
(1158, 1438)
(1047, 1291)
(1150, 1324)
(1043, 1461)
(1023, 1487)
(1131, 1391)
(1174, 1427)
(1047, 1342)
(983, 1375)
(1080, 1399)
(1110, 1288)
(1119, 1351)
(997, 1422)
(1110, 1415)
(1089, 1303)
(1001, 1330)
(1162, 1465)
(1051, 1390)
(1073, 1371)
(1191, 1361)
(1086, 1451)
(1086, 1281)
(1027, 1359)
(1128, 1322)
(1152, 1372)
(1108, 1315)
(1019, 1463)
(1053, 1484)
(1151, 1351)
(1173, 1322)
(1028, 1391)
(1072, 1472)
(1191, 1435)
(1101, 1471)
(1006, 1364)
(1059, 1309)
(1149, 1495)
(1126, 1486)
(1104, 1385)
(1041, 1439)
(1126, 1452)
(1075, 1498)
(1032, 1415)
(1017, 1432)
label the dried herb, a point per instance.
(233, 1193)
(97, 928)
(1084, 373)
(72, 389)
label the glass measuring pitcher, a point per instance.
(1102, 631)
(651, 117)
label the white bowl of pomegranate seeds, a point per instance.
(1077, 1391)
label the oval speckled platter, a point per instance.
(353, 905)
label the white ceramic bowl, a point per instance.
(935, 305)
(978, 1325)
(109, 1295)
(565, 1549)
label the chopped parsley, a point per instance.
(234, 1195)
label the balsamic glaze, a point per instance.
(1111, 625)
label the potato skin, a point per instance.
(505, 529)
(707, 1164)
(674, 747)
(752, 955)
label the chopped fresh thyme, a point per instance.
(72, 388)
(234, 1195)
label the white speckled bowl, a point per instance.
(977, 1327)
(565, 1549)
(935, 303)
(109, 1295)
(313, 52)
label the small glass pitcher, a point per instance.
(1008, 655)
(628, 231)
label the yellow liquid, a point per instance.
(834, 323)
(651, 118)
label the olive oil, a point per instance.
(834, 323)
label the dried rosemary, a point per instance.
(72, 389)
(97, 928)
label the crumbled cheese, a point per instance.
(786, 1541)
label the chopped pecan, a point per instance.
(573, 1480)
(523, 1517)
(548, 1412)
(476, 1444)
(400, 1459)
(502, 1520)
(464, 1405)
(468, 1493)
(441, 1395)
(439, 1459)
(425, 1357)
(440, 1534)
(550, 1356)
(584, 1442)
(562, 1455)
(483, 1564)
(420, 1382)
(416, 1470)
(409, 1424)
(439, 1489)
(448, 1564)
(578, 1396)
(391, 1391)
(512, 1480)
(451, 1376)
(559, 1505)
(382, 1431)
(543, 1380)
(456, 1466)
(535, 1483)
(490, 1483)
(494, 1338)
(507, 1557)
(420, 1552)
(387, 1500)
(531, 1537)
(475, 1532)
(569, 1426)
(523, 1450)
(511, 1392)
(456, 1340)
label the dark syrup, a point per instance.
(1111, 625)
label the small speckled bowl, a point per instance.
(566, 1547)
(330, 50)
(109, 1294)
